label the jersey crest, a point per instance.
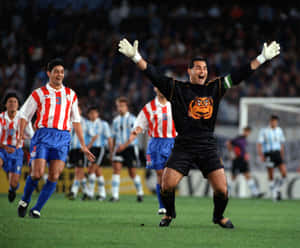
(201, 107)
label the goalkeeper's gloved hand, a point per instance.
(130, 51)
(268, 52)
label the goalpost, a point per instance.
(256, 111)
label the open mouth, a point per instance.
(201, 77)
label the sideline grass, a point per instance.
(64, 223)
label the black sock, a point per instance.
(168, 199)
(220, 203)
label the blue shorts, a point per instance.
(158, 152)
(50, 144)
(12, 162)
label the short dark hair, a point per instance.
(247, 128)
(274, 117)
(91, 108)
(10, 95)
(55, 62)
(191, 63)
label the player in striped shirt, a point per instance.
(97, 135)
(11, 158)
(76, 158)
(121, 128)
(271, 152)
(156, 117)
(56, 108)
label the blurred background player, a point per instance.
(122, 126)
(11, 158)
(270, 149)
(97, 135)
(56, 108)
(237, 148)
(156, 117)
(77, 159)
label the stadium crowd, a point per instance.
(86, 33)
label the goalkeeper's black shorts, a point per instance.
(199, 154)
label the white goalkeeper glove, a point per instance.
(268, 52)
(130, 51)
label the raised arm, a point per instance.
(158, 79)
(268, 53)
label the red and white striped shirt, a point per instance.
(157, 118)
(54, 108)
(9, 129)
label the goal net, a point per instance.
(255, 112)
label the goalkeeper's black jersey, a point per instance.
(195, 107)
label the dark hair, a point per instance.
(274, 117)
(191, 63)
(247, 128)
(9, 95)
(55, 62)
(92, 108)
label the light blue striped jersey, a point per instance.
(122, 127)
(271, 139)
(75, 144)
(97, 127)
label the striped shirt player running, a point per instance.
(156, 117)
(77, 159)
(97, 136)
(121, 128)
(11, 158)
(56, 108)
(271, 152)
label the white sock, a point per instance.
(115, 184)
(280, 183)
(75, 187)
(101, 186)
(92, 180)
(252, 186)
(84, 186)
(272, 188)
(138, 185)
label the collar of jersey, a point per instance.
(158, 102)
(52, 89)
(126, 114)
(7, 117)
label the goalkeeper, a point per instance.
(194, 108)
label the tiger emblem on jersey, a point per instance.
(201, 107)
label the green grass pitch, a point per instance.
(64, 223)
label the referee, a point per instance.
(194, 109)
(271, 152)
